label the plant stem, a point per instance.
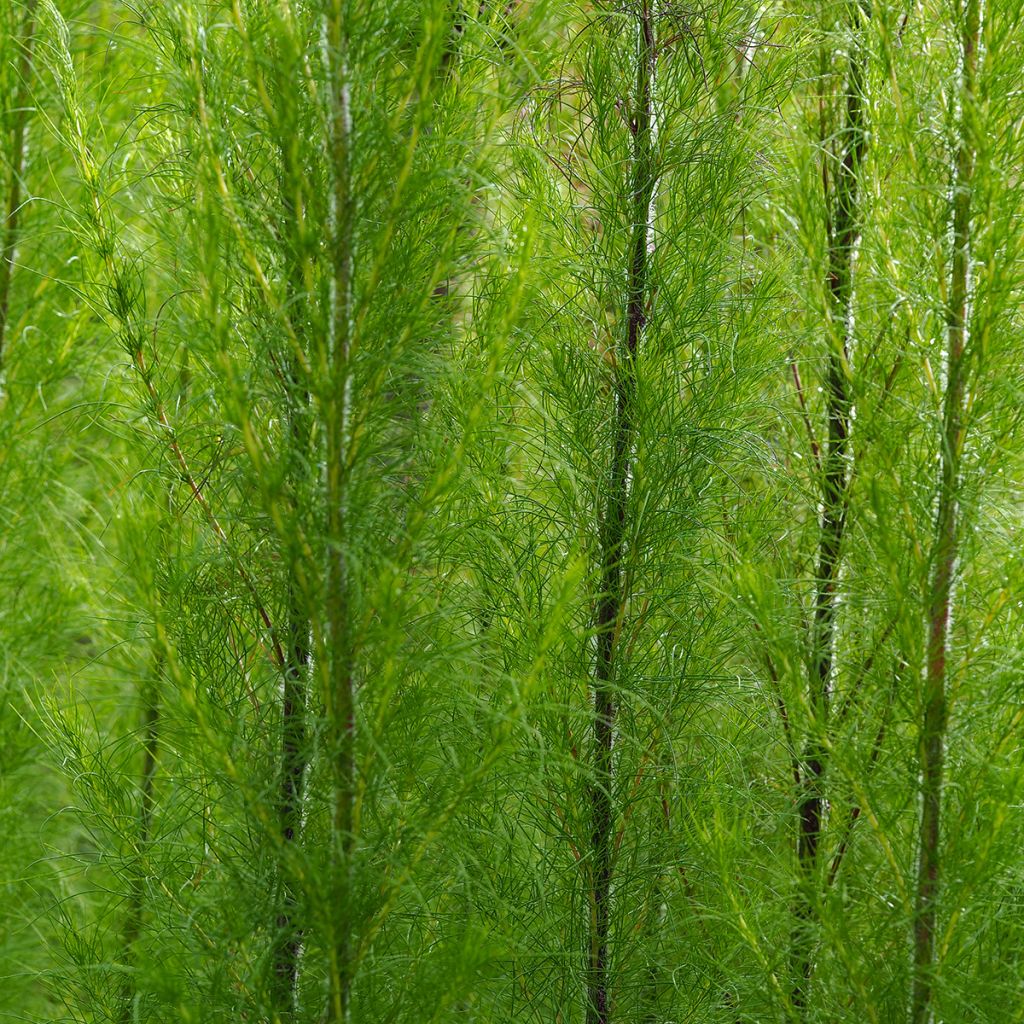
(613, 528)
(339, 695)
(293, 770)
(935, 712)
(17, 153)
(136, 893)
(151, 719)
(297, 644)
(841, 197)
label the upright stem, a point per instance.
(151, 719)
(293, 770)
(16, 153)
(613, 527)
(297, 644)
(136, 892)
(933, 725)
(841, 197)
(339, 695)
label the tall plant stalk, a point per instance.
(152, 714)
(294, 753)
(136, 905)
(17, 151)
(613, 527)
(841, 200)
(293, 770)
(932, 739)
(339, 690)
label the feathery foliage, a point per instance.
(508, 511)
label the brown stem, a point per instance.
(297, 650)
(933, 725)
(136, 892)
(338, 663)
(841, 199)
(613, 531)
(151, 717)
(293, 770)
(17, 153)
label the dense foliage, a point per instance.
(508, 511)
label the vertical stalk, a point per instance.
(339, 695)
(841, 198)
(151, 719)
(278, 98)
(147, 784)
(297, 646)
(613, 526)
(16, 153)
(293, 771)
(935, 711)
